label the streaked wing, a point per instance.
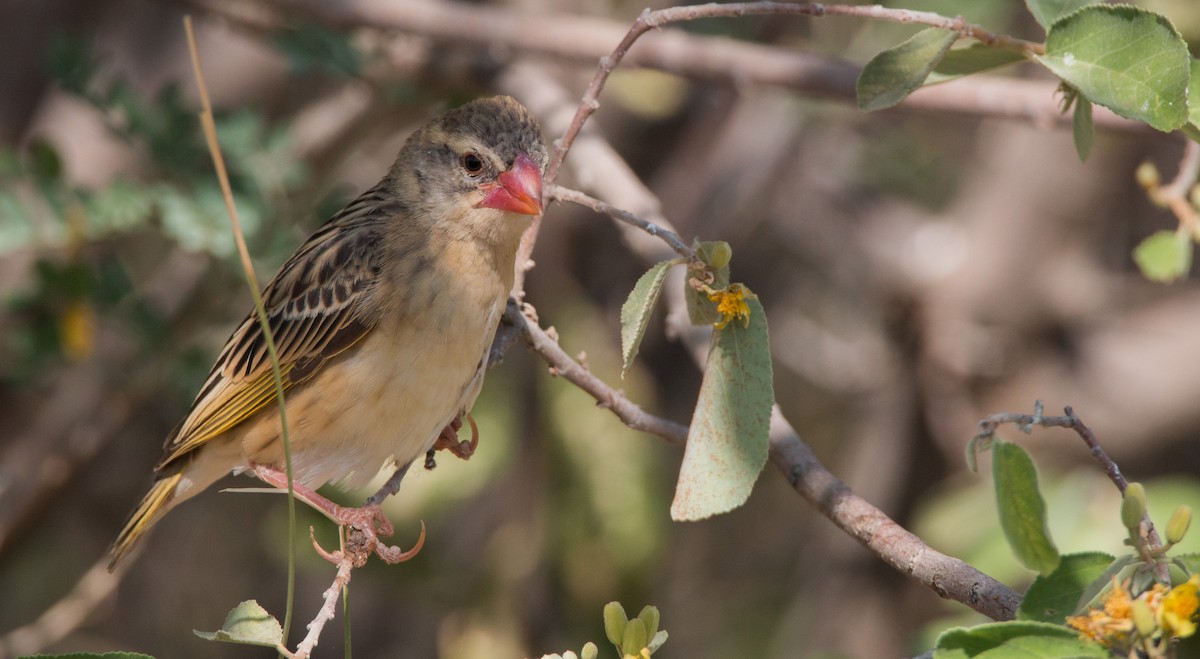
(314, 307)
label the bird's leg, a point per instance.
(368, 520)
(449, 440)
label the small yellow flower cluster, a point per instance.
(731, 304)
(1153, 617)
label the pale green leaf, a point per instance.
(1128, 59)
(1015, 640)
(1164, 256)
(635, 313)
(896, 72)
(727, 441)
(1052, 597)
(1081, 127)
(247, 623)
(1022, 509)
(958, 62)
(1048, 11)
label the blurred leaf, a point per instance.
(314, 48)
(895, 73)
(1052, 597)
(635, 313)
(727, 441)
(1045, 12)
(119, 206)
(70, 61)
(43, 162)
(1022, 510)
(958, 62)
(247, 623)
(1081, 127)
(1127, 59)
(1015, 640)
(1164, 256)
(701, 310)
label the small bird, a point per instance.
(382, 321)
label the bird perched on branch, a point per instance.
(382, 321)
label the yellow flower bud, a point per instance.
(1147, 176)
(1178, 525)
(1133, 507)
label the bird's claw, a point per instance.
(449, 441)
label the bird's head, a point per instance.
(477, 170)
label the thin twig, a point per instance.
(328, 609)
(559, 193)
(989, 425)
(947, 576)
(1176, 193)
(654, 19)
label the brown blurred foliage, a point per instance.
(920, 270)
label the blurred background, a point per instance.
(920, 268)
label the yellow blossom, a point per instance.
(1177, 613)
(731, 304)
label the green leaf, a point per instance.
(1052, 597)
(701, 310)
(1081, 127)
(958, 62)
(1048, 11)
(727, 441)
(897, 72)
(1022, 510)
(1192, 129)
(635, 313)
(314, 48)
(247, 623)
(1024, 640)
(1127, 59)
(43, 162)
(1164, 256)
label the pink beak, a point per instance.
(518, 190)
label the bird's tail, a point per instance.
(156, 502)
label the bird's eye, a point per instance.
(472, 164)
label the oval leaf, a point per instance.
(247, 623)
(1048, 11)
(1192, 129)
(897, 72)
(1052, 597)
(1015, 639)
(1081, 127)
(1164, 256)
(1127, 59)
(727, 441)
(972, 59)
(635, 313)
(1022, 510)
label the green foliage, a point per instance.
(1022, 509)
(249, 624)
(635, 313)
(1164, 256)
(895, 73)
(974, 58)
(1081, 127)
(1015, 640)
(727, 441)
(1046, 12)
(1130, 60)
(311, 48)
(1052, 597)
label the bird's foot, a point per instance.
(449, 441)
(363, 525)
